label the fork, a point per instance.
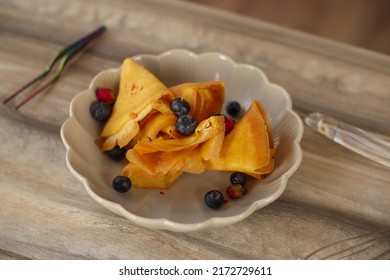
(373, 245)
(61, 59)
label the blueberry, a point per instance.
(121, 184)
(233, 108)
(186, 125)
(179, 106)
(214, 199)
(117, 153)
(238, 178)
(100, 111)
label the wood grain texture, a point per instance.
(363, 23)
(45, 213)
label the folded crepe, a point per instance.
(143, 122)
(205, 98)
(163, 155)
(140, 93)
(142, 179)
(248, 147)
(142, 108)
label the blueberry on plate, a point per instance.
(121, 184)
(179, 106)
(100, 111)
(233, 108)
(238, 178)
(214, 199)
(117, 153)
(186, 125)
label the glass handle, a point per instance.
(351, 137)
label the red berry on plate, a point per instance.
(105, 95)
(236, 191)
(229, 125)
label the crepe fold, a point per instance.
(140, 94)
(157, 154)
(157, 163)
(248, 147)
(142, 107)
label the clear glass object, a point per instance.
(356, 139)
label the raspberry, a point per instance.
(236, 191)
(229, 125)
(105, 95)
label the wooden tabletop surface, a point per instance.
(336, 205)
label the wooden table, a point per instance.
(335, 195)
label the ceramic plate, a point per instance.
(181, 207)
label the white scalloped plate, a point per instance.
(181, 208)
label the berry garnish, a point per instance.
(121, 184)
(214, 199)
(100, 111)
(236, 191)
(229, 125)
(179, 106)
(233, 108)
(238, 178)
(105, 95)
(117, 153)
(186, 125)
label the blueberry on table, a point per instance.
(121, 184)
(186, 125)
(214, 199)
(233, 108)
(179, 106)
(117, 153)
(100, 111)
(238, 178)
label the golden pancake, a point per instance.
(267, 122)
(139, 93)
(153, 124)
(187, 153)
(205, 98)
(143, 122)
(247, 147)
(142, 179)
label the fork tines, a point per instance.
(60, 59)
